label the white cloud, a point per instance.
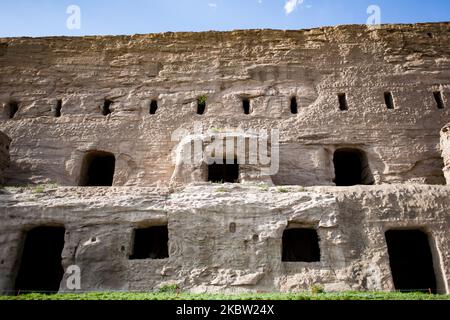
(212, 5)
(291, 5)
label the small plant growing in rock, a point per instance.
(221, 189)
(214, 130)
(169, 288)
(202, 99)
(264, 188)
(317, 289)
(201, 105)
(282, 190)
(39, 189)
(301, 189)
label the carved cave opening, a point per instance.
(98, 169)
(56, 111)
(294, 106)
(224, 173)
(150, 243)
(411, 260)
(438, 97)
(201, 106)
(389, 100)
(40, 267)
(11, 109)
(153, 107)
(106, 108)
(300, 245)
(351, 168)
(343, 104)
(246, 105)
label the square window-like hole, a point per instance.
(300, 245)
(150, 243)
(223, 173)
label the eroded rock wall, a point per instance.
(268, 67)
(4, 155)
(445, 147)
(228, 238)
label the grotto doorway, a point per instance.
(224, 173)
(150, 243)
(12, 109)
(351, 168)
(411, 261)
(98, 169)
(40, 267)
(300, 245)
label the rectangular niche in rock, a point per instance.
(411, 261)
(40, 267)
(224, 172)
(150, 243)
(300, 245)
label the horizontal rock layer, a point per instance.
(228, 238)
(38, 75)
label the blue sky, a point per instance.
(49, 17)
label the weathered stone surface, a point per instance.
(402, 145)
(227, 238)
(206, 256)
(445, 147)
(4, 154)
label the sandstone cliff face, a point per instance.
(229, 238)
(55, 94)
(445, 147)
(4, 155)
(268, 67)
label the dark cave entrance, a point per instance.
(411, 261)
(224, 173)
(389, 100)
(150, 243)
(343, 104)
(56, 111)
(351, 168)
(40, 268)
(153, 107)
(294, 105)
(106, 108)
(300, 245)
(98, 169)
(12, 109)
(439, 98)
(246, 105)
